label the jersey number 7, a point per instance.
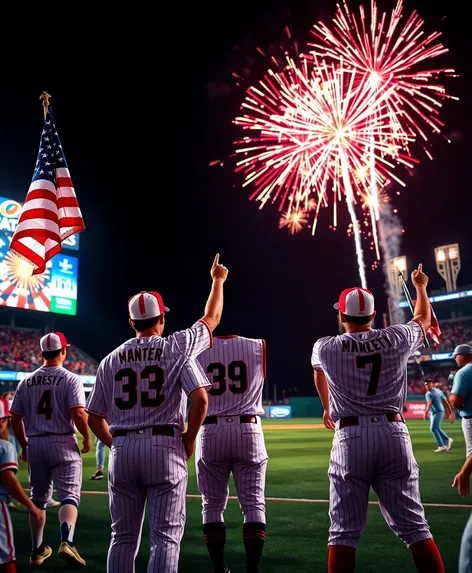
(376, 361)
(129, 384)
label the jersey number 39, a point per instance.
(237, 373)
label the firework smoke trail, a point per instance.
(390, 235)
(352, 213)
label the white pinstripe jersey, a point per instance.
(140, 383)
(236, 367)
(366, 371)
(45, 397)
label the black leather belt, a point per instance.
(156, 431)
(354, 420)
(467, 417)
(242, 419)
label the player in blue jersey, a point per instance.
(9, 485)
(461, 393)
(437, 404)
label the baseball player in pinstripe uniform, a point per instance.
(9, 485)
(139, 389)
(48, 406)
(231, 441)
(361, 378)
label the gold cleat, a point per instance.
(70, 555)
(40, 558)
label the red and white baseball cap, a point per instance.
(146, 304)
(4, 410)
(356, 302)
(53, 341)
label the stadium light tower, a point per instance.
(448, 264)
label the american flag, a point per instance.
(51, 211)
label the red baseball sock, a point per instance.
(8, 567)
(341, 559)
(427, 557)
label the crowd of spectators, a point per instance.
(416, 385)
(19, 351)
(454, 332)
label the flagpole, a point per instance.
(410, 304)
(44, 97)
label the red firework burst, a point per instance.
(391, 55)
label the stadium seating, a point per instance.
(19, 351)
(454, 332)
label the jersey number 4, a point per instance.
(376, 361)
(45, 405)
(237, 373)
(129, 380)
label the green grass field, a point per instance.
(297, 531)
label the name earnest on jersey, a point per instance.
(140, 354)
(352, 345)
(43, 381)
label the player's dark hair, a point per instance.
(49, 354)
(141, 325)
(358, 319)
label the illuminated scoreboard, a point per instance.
(55, 290)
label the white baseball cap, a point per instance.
(356, 302)
(4, 410)
(146, 304)
(53, 341)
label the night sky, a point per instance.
(142, 105)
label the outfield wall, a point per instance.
(310, 407)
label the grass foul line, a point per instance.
(301, 500)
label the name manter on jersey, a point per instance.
(367, 371)
(236, 367)
(45, 397)
(141, 383)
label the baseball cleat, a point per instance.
(70, 555)
(38, 558)
(441, 449)
(97, 475)
(53, 503)
(449, 444)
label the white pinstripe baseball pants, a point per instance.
(54, 458)
(7, 546)
(378, 454)
(146, 469)
(231, 447)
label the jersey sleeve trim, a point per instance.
(8, 466)
(77, 406)
(264, 359)
(209, 331)
(104, 416)
(318, 368)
